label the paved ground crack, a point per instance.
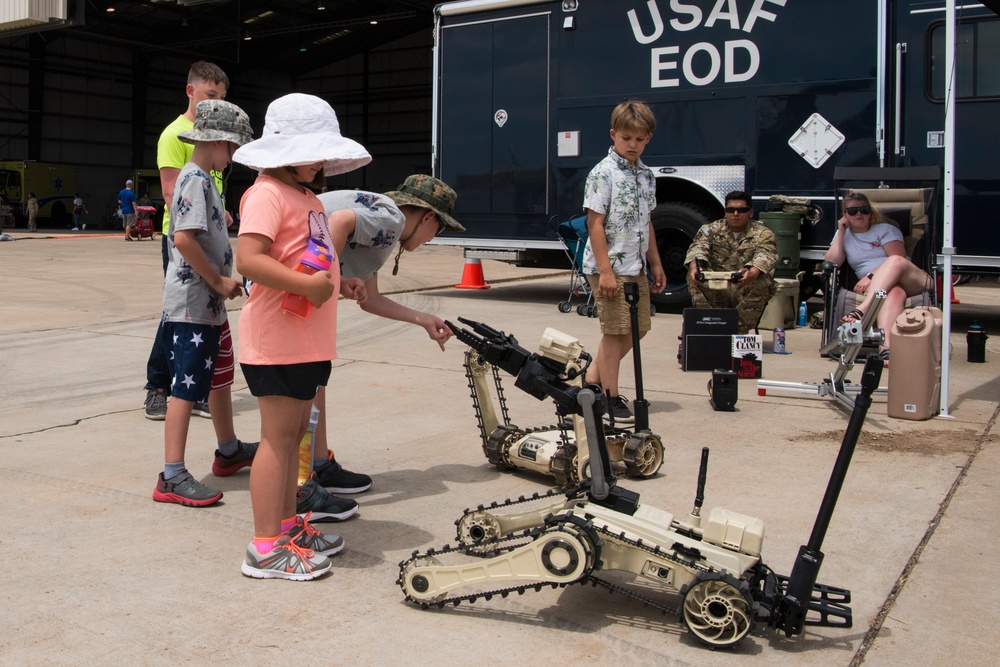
(876, 625)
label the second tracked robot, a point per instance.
(552, 450)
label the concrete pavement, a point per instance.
(95, 572)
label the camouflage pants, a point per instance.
(748, 301)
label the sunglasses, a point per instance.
(854, 210)
(738, 209)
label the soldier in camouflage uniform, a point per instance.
(735, 243)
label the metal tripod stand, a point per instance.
(850, 338)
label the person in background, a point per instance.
(126, 202)
(875, 251)
(79, 210)
(736, 244)
(31, 210)
(205, 81)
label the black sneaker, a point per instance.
(336, 479)
(156, 404)
(618, 408)
(325, 507)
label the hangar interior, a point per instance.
(91, 83)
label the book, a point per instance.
(747, 351)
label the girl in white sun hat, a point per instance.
(285, 356)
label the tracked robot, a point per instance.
(708, 570)
(552, 450)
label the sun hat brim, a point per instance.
(191, 136)
(404, 199)
(338, 154)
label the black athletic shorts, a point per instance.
(297, 381)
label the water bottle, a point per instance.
(317, 257)
(803, 314)
(306, 447)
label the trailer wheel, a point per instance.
(675, 225)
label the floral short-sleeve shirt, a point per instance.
(625, 194)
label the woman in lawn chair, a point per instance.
(876, 253)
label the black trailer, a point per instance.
(766, 96)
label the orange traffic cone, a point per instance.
(951, 290)
(472, 276)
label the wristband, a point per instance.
(870, 276)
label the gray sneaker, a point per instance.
(184, 489)
(307, 537)
(286, 561)
(156, 404)
(201, 409)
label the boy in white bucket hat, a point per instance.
(197, 284)
(285, 356)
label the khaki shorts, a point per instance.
(614, 313)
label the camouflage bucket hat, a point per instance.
(428, 192)
(218, 120)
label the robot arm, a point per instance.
(541, 375)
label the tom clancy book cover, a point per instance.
(747, 352)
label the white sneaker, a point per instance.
(76, 229)
(84, 226)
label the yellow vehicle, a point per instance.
(54, 186)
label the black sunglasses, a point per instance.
(854, 210)
(738, 209)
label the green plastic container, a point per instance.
(787, 230)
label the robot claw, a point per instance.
(555, 371)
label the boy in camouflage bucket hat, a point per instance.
(218, 120)
(426, 191)
(366, 228)
(197, 284)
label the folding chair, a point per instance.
(911, 209)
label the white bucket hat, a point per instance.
(302, 129)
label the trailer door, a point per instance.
(494, 109)
(919, 99)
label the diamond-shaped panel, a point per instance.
(816, 140)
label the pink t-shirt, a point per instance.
(268, 335)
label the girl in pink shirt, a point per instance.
(284, 356)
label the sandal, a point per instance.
(855, 315)
(883, 354)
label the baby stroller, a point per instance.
(143, 227)
(574, 237)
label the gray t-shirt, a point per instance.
(198, 206)
(376, 232)
(866, 251)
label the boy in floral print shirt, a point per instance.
(619, 195)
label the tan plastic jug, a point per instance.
(915, 366)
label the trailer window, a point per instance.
(977, 60)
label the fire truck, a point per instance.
(764, 96)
